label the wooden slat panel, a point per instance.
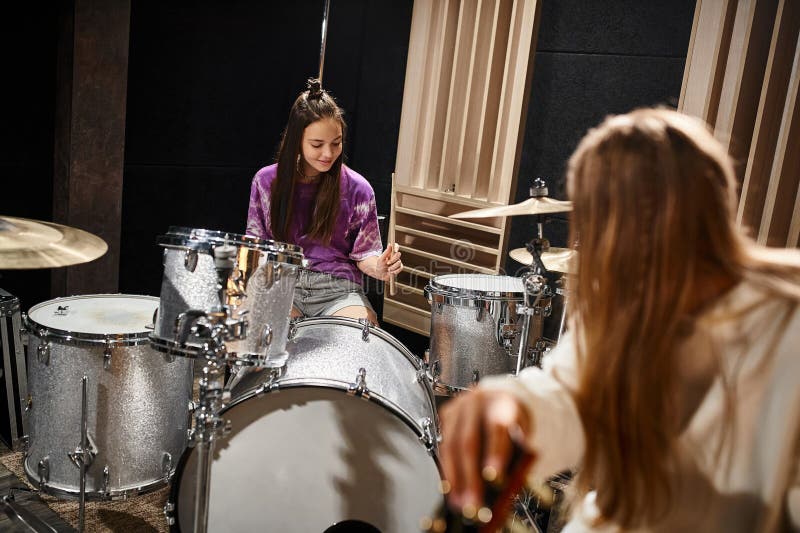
(782, 192)
(487, 130)
(475, 113)
(412, 114)
(448, 260)
(454, 221)
(447, 240)
(768, 119)
(743, 76)
(406, 316)
(460, 84)
(707, 57)
(445, 52)
(516, 85)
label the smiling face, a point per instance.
(321, 146)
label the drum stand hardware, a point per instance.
(214, 326)
(16, 511)
(84, 454)
(535, 288)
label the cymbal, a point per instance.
(538, 205)
(555, 259)
(26, 243)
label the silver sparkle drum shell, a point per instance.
(261, 289)
(468, 315)
(304, 454)
(138, 399)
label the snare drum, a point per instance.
(476, 328)
(137, 399)
(344, 440)
(261, 288)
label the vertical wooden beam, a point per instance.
(782, 191)
(707, 57)
(90, 135)
(744, 73)
(770, 115)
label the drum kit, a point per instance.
(334, 407)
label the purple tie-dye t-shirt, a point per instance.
(355, 237)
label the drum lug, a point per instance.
(106, 478)
(43, 470)
(43, 353)
(265, 339)
(292, 328)
(25, 442)
(107, 357)
(428, 437)
(189, 260)
(359, 387)
(166, 465)
(476, 376)
(28, 403)
(365, 329)
(169, 508)
(506, 331)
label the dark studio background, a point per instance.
(210, 84)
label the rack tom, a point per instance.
(260, 289)
(476, 328)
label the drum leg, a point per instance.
(84, 454)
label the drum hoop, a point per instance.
(203, 240)
(468, 298)
(461, 296)
(79, 338)
(111, 495)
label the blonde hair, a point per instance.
(654, 215)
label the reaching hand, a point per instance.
(389, 264)
(477, 431)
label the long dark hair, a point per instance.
(312, 105)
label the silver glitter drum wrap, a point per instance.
(261, 289)
(137, 398)
(305, 452)
(469, 313)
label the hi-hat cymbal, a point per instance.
(555, 259)
(26, 243)
(540, 205)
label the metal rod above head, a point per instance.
(324, 38)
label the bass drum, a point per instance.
(344, 440)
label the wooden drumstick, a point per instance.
(392, 282)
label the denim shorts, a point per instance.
(320, 294)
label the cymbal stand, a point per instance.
(534, 287)
(213, 327)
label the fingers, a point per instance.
(459, 446)
(477, 444)
(502, 414)
(390, 261)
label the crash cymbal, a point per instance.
(532, 206)
(26, 243)
(555, 259)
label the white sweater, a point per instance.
(754, 484)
